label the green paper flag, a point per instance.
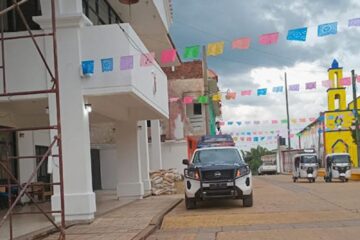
(203, 99)
(283, 121)
(192, 52)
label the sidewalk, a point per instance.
(133, 221)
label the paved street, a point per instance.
(282, 210)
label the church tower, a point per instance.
(336, 92)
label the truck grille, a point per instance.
(212, 175)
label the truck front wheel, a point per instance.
(190, 203)
(248, 200)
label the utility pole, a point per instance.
(287, 112)
(206, 89)
(357, 133)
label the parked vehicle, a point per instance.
(194, 142)
(337, 166)
(217, 172)
(267, 168)
(305, 165)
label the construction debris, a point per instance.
(163, 181)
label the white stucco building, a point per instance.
(107, 148)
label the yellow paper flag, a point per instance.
(216, 97)
(216, 48)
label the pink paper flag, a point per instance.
(168, 56)
(241, 43)
(274, 121)
(147, 59)
(246, 93)
(358, 78)
(292, 135)
(188, 100)
(173, 99)
(269, 38)
(345, 81)
(326, 83)
(302, 120)
(222, 123)
(230, 95)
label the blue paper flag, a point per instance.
(238, 123)
(261, 91)
(327, 29)
(230, 123)
(298, 34)
(256, 139)
(278, 89)
(107, 64)
(87, 67)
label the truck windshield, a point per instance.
(308, 159)
(217, 156)
(341, 159)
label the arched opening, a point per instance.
(336, 79)
(337, 98)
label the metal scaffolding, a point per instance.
(12, 181)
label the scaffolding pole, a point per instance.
(12, 181)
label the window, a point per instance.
(197, 109)
(12, 20)
(100, 12)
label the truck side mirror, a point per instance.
(185, 162)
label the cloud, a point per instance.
(205, 21)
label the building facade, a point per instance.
(100, 46)
(188, 118)
(332, 132)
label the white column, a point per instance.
(129, 180)
(144, 155)
(80, 204)
(156, 159)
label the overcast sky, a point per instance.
(206, 21)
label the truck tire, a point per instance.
(190, 203)
(248, 200)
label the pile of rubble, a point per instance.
(164, 181)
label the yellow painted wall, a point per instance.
(335, 75)
(333, 95)
(338, 120)
(332, 137)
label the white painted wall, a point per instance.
(108, 161)
(164, 10)
(173, 152)
(139, 80)
(24, 70)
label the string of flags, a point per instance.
(214, 49)
(267, 122)
(231, 95)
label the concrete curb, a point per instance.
(156, 221)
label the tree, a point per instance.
(253, 157)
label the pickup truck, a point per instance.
(217, 172)
(267, 168)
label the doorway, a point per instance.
(95, 169)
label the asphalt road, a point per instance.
(282, 210)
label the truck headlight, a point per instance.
(242, 171)
(192, 173)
